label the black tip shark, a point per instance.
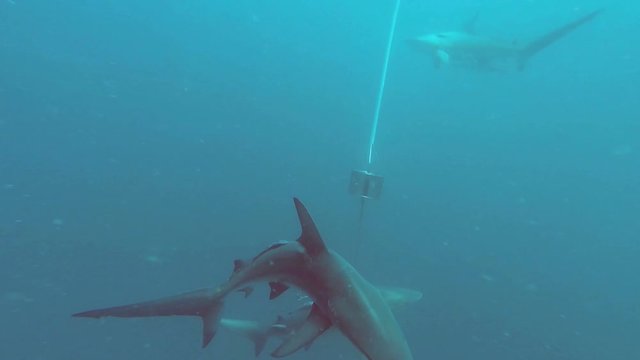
(342, 298)
(466, 49)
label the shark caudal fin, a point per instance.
(545, 40)
(310, 237)
(203, 303)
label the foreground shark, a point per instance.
(341, 297)
(465, 48)
(288, 324)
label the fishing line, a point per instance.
(365, 184)
(383, 81)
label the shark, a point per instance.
(341, 296)
(288, 324)
(465, 48)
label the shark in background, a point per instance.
(342, 297)
(465, 48)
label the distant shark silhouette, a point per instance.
(341, 297)
(466, 49)
(288, 324)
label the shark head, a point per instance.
(438, 40)
(439, 45)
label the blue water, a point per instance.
(144, 145)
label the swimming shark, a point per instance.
(288, 324)
(467, 49)
(342, 297)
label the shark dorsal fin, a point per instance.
(310, 237)
(277, 289)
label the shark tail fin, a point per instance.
(310, 237)
(549, 38)
(203, 303)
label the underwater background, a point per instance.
(145, 145)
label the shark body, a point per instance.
(342, 297)
(467, 49)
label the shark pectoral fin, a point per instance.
(259, 344)
(277, 289)
(203, 303)
(310, 237)
(316, 324)
(442, 57)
